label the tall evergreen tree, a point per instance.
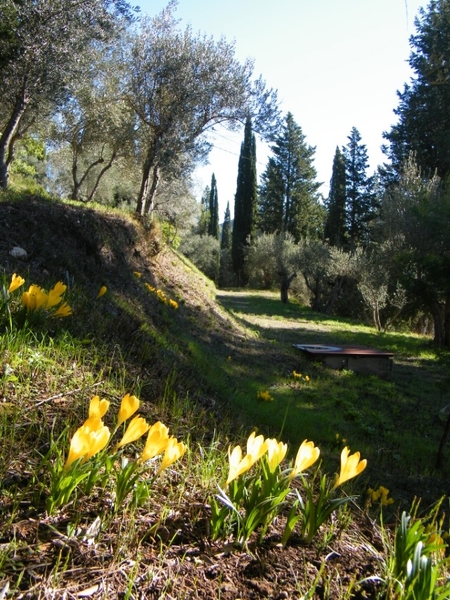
(225, 243)
(205, 215)
(359, 195)
(213, 228)
(288, 199)
(245, 202)
(335, 224)
(423, 126)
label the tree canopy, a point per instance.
(288, 195)
(244, 202)
(423, 117)
(180, 85)
(42, 51)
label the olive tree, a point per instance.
(180, 85)
(40, 53)
(95, 125)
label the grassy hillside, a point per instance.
(200, 361)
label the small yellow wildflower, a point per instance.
(297, 375)
(157, 440)
(173, 304)
(149, 287)
(306, 456)
(35, 298)
(237, 464)
(16, 282)
(136, 429)
(87, 441)
(97, 407)
(128, 407)
(380, 494)
(63, 311)
(351, 466)
(306, 377)
(102, 291)
(265, 396)
(55, 294)
(276, 451)
(137, 273)
(174, 450)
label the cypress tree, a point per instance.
(245, 202)
(225, 243)
(213, 228)
(335, 224)
(205, 215)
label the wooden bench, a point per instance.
(352, 358)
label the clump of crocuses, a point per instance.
(21, 308)
(92, 461)
(259, 489)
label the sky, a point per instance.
(336, 64)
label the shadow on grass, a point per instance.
(394, 422)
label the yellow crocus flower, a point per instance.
(174, 450)
(28, 301)
(55, 294)
(306, 456)
(35, 298)
(97, 407)
(78, 447)
(128, 407)
(102, 291)
(351, 466)
(136, 429)
(88, 440)
(256, 447)
(63, 311)
(238, 465)
(97, 441)
(276, 451)
(157, 439)
(16, 282)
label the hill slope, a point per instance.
(129, 340)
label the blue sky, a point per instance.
(335, 63)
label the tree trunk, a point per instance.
(149, 203)
(440, 455)
(8, 138)
(334, 295)
(78, 183)
(447, 322)
(148, 190)
(100, 175)
(285, 285)
(376, 316)
(439, 330)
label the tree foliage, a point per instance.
(245, 202)
(336, 221)
(213, 209)
(423, 126)
(416, 219)
(94, 124)
(288, 195)
(180, 85)
(42, 51)
(204, 252)
(360, 201)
